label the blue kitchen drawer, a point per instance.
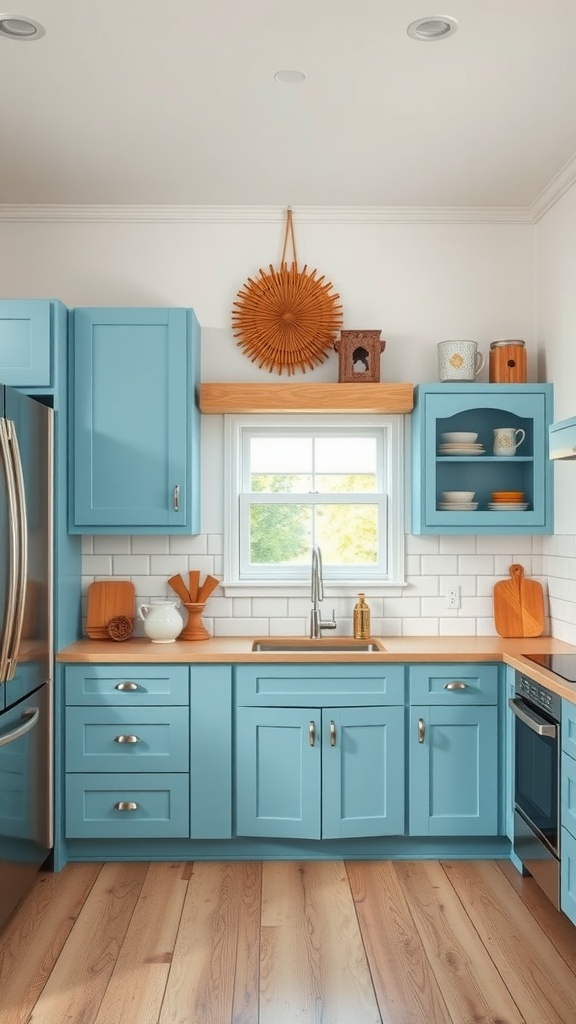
(162, 806)
(108, 739)
(305, 685)
(434, 684)
(126, 684)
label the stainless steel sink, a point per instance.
(297, 645)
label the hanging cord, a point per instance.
(289, 233)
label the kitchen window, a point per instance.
(292, 482)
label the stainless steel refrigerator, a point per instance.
(26, 475)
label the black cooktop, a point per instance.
(563, 665)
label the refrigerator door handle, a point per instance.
(22, 563)
(13, 549)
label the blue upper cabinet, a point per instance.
(480, 409)
(135, 434)
(29, 330)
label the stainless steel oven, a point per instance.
(537, 712)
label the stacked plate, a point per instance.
(508, 501)
(457, 501)
(460, 443)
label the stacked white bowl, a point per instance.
(457, 501)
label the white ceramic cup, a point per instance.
(505, 440)
(459, 360)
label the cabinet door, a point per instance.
(26, 343)
(453, 771)
(135, 432)
(480, 409)
(568, 875)
(278, 754)
(362, 772)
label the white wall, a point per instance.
(556, 333)
(419, 283)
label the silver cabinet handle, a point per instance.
(176, 497)
(312, 733)
(456, 685)
(126, 739)
(127, 686)
(421, 730)
(126, 805)
(332, 734)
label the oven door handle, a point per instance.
(535, 722)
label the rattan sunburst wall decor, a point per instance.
(286, 319)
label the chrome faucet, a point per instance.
(317, 624)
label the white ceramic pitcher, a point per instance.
(162, 621)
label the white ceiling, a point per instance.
(175, 102)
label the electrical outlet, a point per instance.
(453, 597)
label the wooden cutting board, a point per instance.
(106, 600)
(518, 605)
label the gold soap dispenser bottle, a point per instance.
(361, 619)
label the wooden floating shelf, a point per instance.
(307, 398)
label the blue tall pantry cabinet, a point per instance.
(33, 359)
(135, 430)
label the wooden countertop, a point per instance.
(238, 649)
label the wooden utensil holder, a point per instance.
(194, 628)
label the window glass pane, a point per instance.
(345, 454)
(281, 454)
(344, 483)
(347, 534)
(280, 534)
(280, 483)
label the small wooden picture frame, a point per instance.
(359, 356)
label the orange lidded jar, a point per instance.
(507, 362)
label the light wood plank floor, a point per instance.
(304, 942)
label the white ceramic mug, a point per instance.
(459, 360)
(505, 442)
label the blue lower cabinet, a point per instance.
(363, 772)
(568, 875)
(454, 771)
(127, 806)
(320, 774)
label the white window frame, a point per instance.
(295, 580)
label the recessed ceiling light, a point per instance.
(290, 76)
(15, 26)
(429, 30)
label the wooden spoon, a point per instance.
(210, 584)
(177, 584)
(194, 580)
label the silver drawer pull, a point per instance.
(126, 739)
(126, 805)
(421, 730)
(176, 498)
(127, 686)
(312, 733)
(332, 734)
(456, 685)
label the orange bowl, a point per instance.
(507, 495)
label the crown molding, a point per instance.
(128, 214)
(554, 190)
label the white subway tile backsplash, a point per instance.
(476, 565)
(178, 545)
(432, 564)
(130, 565)
(150, 545)
(440, 565)
(97, 565)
